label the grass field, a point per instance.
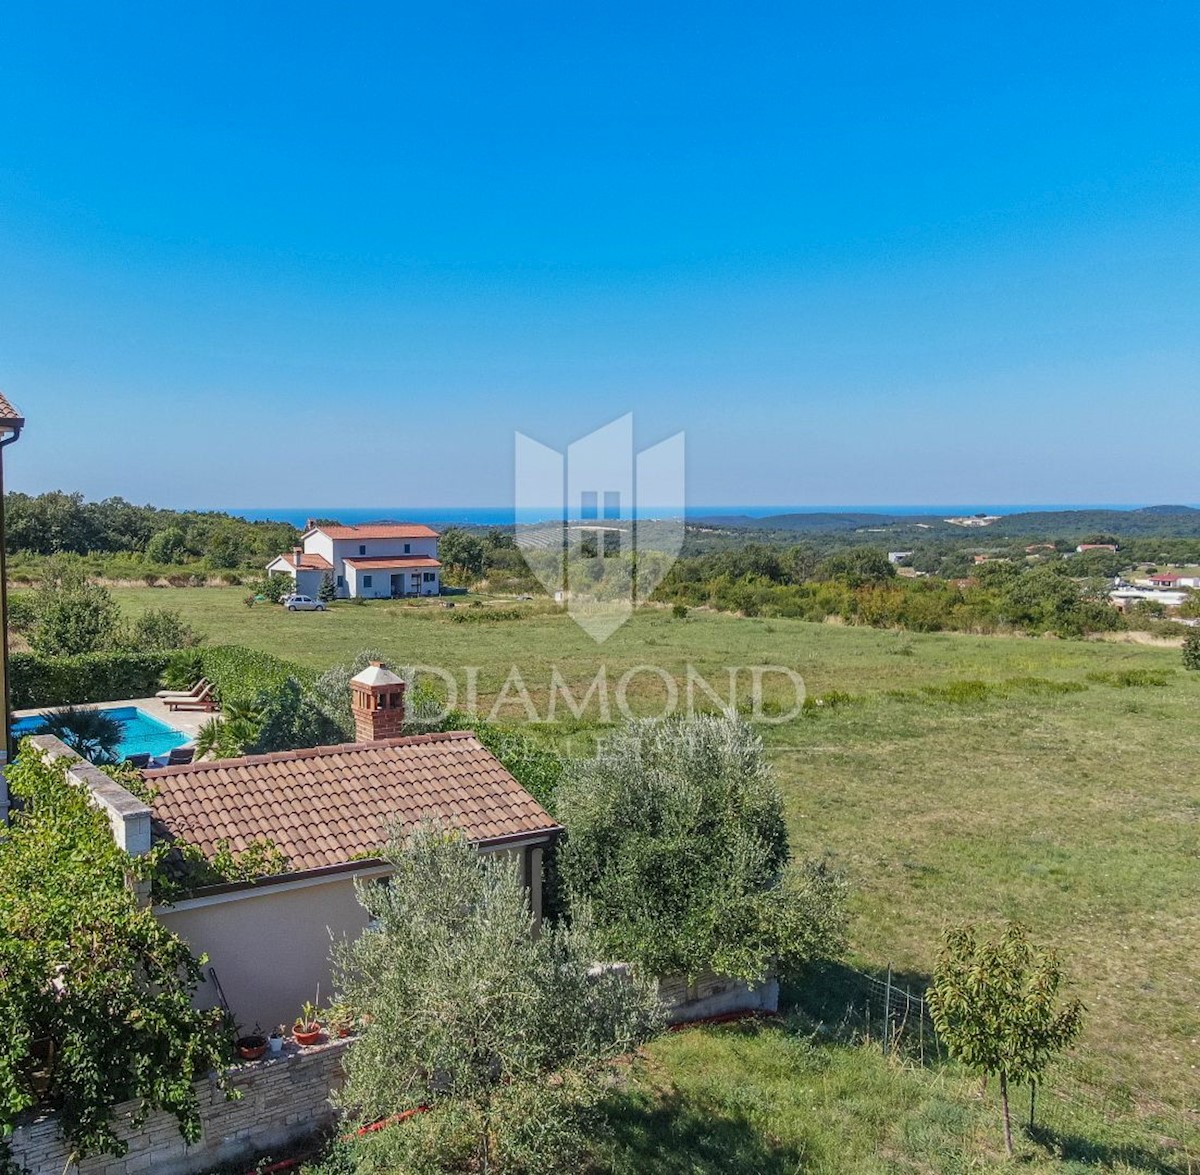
(1078, 812)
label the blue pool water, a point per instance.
(141, 733)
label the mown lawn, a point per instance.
(1078, 812)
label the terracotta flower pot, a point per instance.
(305, 1038)
(252, 1047)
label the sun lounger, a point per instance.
(194, 692)
(181, 756)
(202, 701)
(140, 760)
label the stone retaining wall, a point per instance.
(283, 1100)
(714, 995)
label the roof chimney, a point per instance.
(377, 702)
(299, 553)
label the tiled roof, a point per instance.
(329, 805)
(379, 530)
(8, 414)
(308, 562)
(367, 562)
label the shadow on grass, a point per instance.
(1074, 1148)
(852, 1007)
(670, 1134)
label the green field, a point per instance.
(1078, 812)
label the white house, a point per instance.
(374, 560)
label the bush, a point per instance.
(95, 992)
(35, 680)
(160, 628)
(1191, 651)
(676, 844)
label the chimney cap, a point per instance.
(376, 674)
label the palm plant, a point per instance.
(94, 734)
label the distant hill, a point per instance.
(1164, 521)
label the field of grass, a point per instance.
(1059, 785)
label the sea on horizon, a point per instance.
(507, 515)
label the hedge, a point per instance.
(242, 674)
(40, 681)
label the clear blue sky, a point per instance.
(259, 254)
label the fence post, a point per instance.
(887, 1013)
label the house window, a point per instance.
(366, 581)
(362, 550)
(407, 548)
(340, 582)
(430, 577)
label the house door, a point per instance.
(398, 584)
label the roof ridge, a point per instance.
(404, 740)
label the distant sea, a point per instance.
(506, 515)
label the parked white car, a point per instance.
(302, 604)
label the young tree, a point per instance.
(502, 1031)
(678, 847)
(73, 615)
(159, 629)
(995, 1005)
(327, 592)
(94, 734)
(461, 553)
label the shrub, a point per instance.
(122, 1025)
(160, 628)
(73, 615)
(676, 844)
(241, 674)
(679, 610)
(89, 677)
(1191, 651)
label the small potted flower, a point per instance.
(275, 1040)
(307, 1028)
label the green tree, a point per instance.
(167, 546)
(95, 992)
(677, 846)
(503, 1032)
(862, 565)
(327, 592)
(461, 553)
(995, 1005)
(73, 615)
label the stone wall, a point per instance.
(714, 995)
(283, 1100)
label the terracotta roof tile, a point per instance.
(327, 805)
(308, 561)
(8, 414)
(367, 562)
(377, 530)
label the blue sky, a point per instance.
(264, 254)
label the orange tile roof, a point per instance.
(8, 414)
(328, 805)
(378, 530)
(367, 562)
(308, 562)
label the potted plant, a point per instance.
(252, 1046)
(340, 1018)
(275, 1040)
(307, 1028)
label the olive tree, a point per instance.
(501, 1030)
(677, 846)
(995, 1005)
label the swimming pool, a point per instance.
(140, 734)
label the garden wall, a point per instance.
(710, 994)
(282, 1102)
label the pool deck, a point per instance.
(186, 721)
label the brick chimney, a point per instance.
(298, 552)
(377, 700)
